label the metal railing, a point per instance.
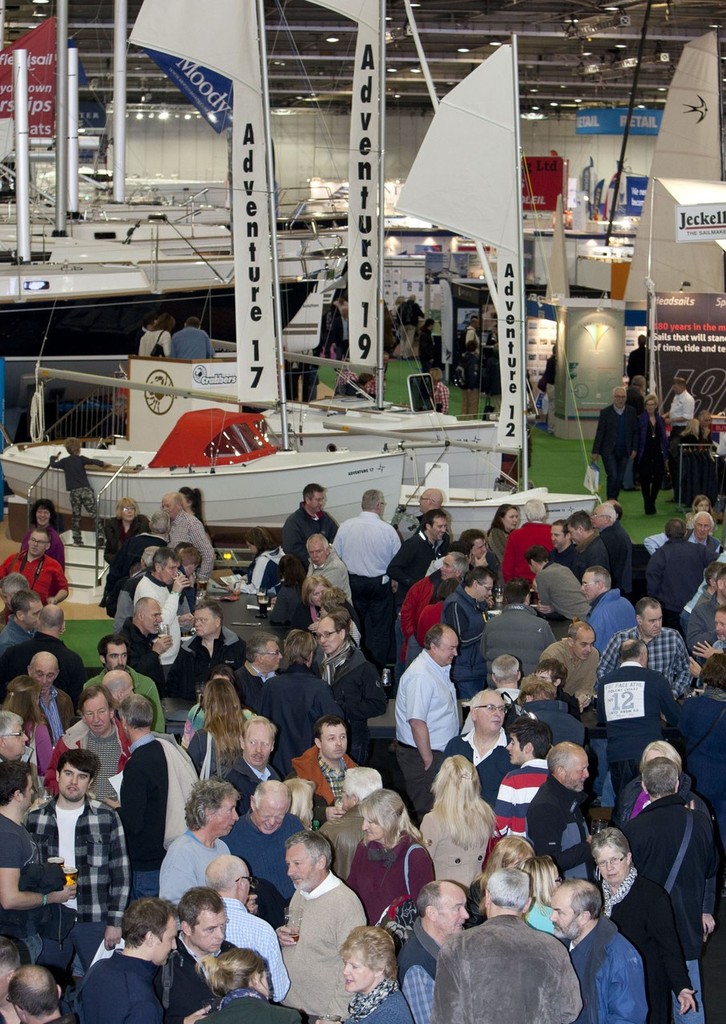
(100, 414)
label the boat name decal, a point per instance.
(212, 380)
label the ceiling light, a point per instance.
(495, 42)
(163, 115)
(139, 116)
(396, 95)
(41, 1)
(391, 71)
(554, 103)
(332, 39)
(534, 90)
(587, 53)
(187, 117)
(621, 46)
(463, 49)
(415, 71)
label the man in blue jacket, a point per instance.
(609, 610)
(612, 981)
(465, 611)
(121, 990)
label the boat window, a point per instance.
(266, 432)
(421, 393)
(236, 439)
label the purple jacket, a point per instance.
(643, 433)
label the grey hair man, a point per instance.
(230, 877)
(321, 915)
(325, 561)
(210, 812)
(542, 986)
(555, 823)
(13, 739)
(25, 609)
(442, 912)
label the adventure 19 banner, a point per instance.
(690, 342)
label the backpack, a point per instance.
(399, 916)
(408, 314)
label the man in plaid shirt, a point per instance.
(89, 837)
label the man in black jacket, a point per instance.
(616, 440)
(416, 554)
(213, 644)
(658, 839)
(181, 988)
(555, 824)
(71, 672)
(141, 633)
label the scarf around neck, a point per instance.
(334, 662)
(612, 898)
(361, 1005)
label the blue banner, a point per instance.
(91, 114)
(210, 92)
(600, 121)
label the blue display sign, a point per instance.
(611, 121)
(210, 92)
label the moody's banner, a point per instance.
(611, 121)
(210, 92)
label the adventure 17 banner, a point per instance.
(690, 342)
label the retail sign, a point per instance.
(701, 222)
(612, 121)
(542, 182)
(210, 92)
(40, 44)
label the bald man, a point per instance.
(51, 626)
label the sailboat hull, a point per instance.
(265, 491)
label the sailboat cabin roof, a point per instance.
(215, 437)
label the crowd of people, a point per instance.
(263, 868)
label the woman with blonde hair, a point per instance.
(370, 971)
(238, 980)
(460, 825)
(544, 881)
(23, 698)
(127, 523)
(311, 595)
(213, 748)
(302, 792)
(510, 852)
(390, 862)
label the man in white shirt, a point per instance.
(427, 715)
(165, 583)
(230, 877)
(367, 545)
(683, 407)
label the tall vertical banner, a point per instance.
(364, 158)
(363, 200)
(40, 44)
(510, 325)
(690, 342)
(194, 32)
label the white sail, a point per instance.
(223, 35)
(364, 203)
(467, 178)
(688, 146)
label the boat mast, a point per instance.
(520, 310)
(61, 120)
(119, 100)
(22, 155)
(381, 199)
(270, 169)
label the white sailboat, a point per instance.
(245, 479)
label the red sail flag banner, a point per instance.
(40, 44)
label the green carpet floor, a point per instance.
(82, 635)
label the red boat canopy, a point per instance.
(215, 437)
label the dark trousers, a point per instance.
(623, 772)
(83, 939)
(373, 600)
(418, 779)
(651, 481)
(614, 464)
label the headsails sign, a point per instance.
(40, 44)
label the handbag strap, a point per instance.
(708, 731)
(206, 769)
(413, 846)
(671, 879)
